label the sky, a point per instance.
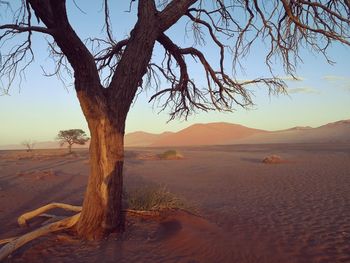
(42, 106)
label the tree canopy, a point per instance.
(284, 26)
(72, 136)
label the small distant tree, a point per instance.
(29, 144)
(73, 136)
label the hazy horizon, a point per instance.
(188, 126)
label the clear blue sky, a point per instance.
(42, 106)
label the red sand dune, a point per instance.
(207, 134)
(336, 132)
(140, 139)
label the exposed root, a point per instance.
(7, 240)
(22, 220)
(51, 218)
(18, 242)
(14, 243)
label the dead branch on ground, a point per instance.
(14, 243)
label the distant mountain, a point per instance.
(225, 133)
(336, 132)
(342, 123)
(207, 134)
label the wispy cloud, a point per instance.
(335, 78)
(291, 78)
(340, 82)
(303, 90)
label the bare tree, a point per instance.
(70, 137)
(108, 74)
(29, 144)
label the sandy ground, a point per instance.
(296, 211)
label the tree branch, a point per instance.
(135, 57)
(86, 78)
(222, 90)
(327, 33)
(183, 92)
(20, 29)
(173, 12)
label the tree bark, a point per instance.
(102, 207)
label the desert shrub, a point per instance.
(151, 198)
(273, 159)
(170, 155)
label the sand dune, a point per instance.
(207, 134)
(227, 134)
(336, 132)
(140, 139)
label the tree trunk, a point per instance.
(102, 207)
(105, 110)
(69, 148)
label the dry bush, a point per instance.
(147, 156)
(170, 155)
(167, 155)
(152, 198)
(273, 159)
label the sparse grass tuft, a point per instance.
(170, 155)
(152, 198)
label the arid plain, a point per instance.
(240, 209)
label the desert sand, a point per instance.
(244, 210)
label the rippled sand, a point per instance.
(296, 211)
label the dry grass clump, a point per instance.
(273, 159)
(167, 155)
(147, 156)
(170, 155)
(152, 198)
